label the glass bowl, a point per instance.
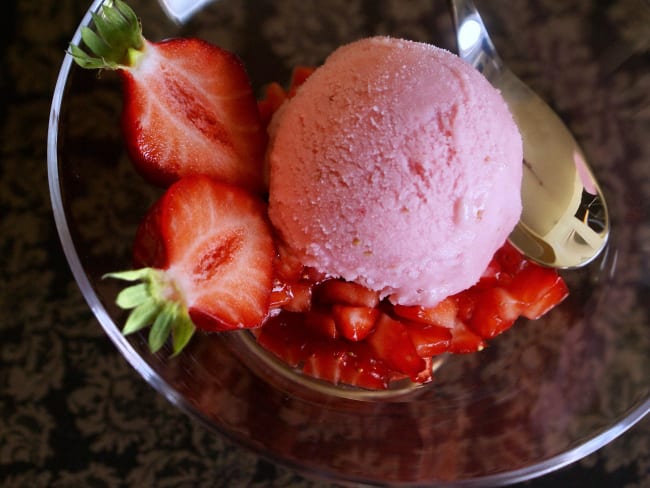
(542, 395)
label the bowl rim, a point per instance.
(541, 468)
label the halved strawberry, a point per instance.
(354, 323)
(188, 105)
(215, 266)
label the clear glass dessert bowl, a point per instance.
(542, 395)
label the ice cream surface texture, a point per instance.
(397, 166)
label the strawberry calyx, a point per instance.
(115, 42)
(155, 300)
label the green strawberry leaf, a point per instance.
(151, 305)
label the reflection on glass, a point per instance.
(182, 10)
(469, 34)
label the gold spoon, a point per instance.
(564, 222)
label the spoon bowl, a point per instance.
(564, 222)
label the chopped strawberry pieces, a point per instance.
(352, 364)
(495, 311)
(292, 296)
(298, 77)
(391, 343)
(465, 341)
(333, 360)
(443, 314)
(274, 97)
(339, 291)
(347, 335)
(538, 289)
(322, 323)
(354, 323)
(285, 336)
(429, 340)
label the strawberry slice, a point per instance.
(213, 268)
(354, 323)
(188, 106)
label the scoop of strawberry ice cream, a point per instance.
(397, 166)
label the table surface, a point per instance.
(73, 412)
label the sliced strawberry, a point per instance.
(188, 106)
(345, 292)
(218, 251)
(538, 289)
(354, 323)
(391, 343)
(429, 340)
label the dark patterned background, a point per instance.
(72, 412)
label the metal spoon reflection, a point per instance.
(564, 223)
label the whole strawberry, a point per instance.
(188, 105)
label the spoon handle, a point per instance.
(474, 43)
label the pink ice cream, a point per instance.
(397, 166)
